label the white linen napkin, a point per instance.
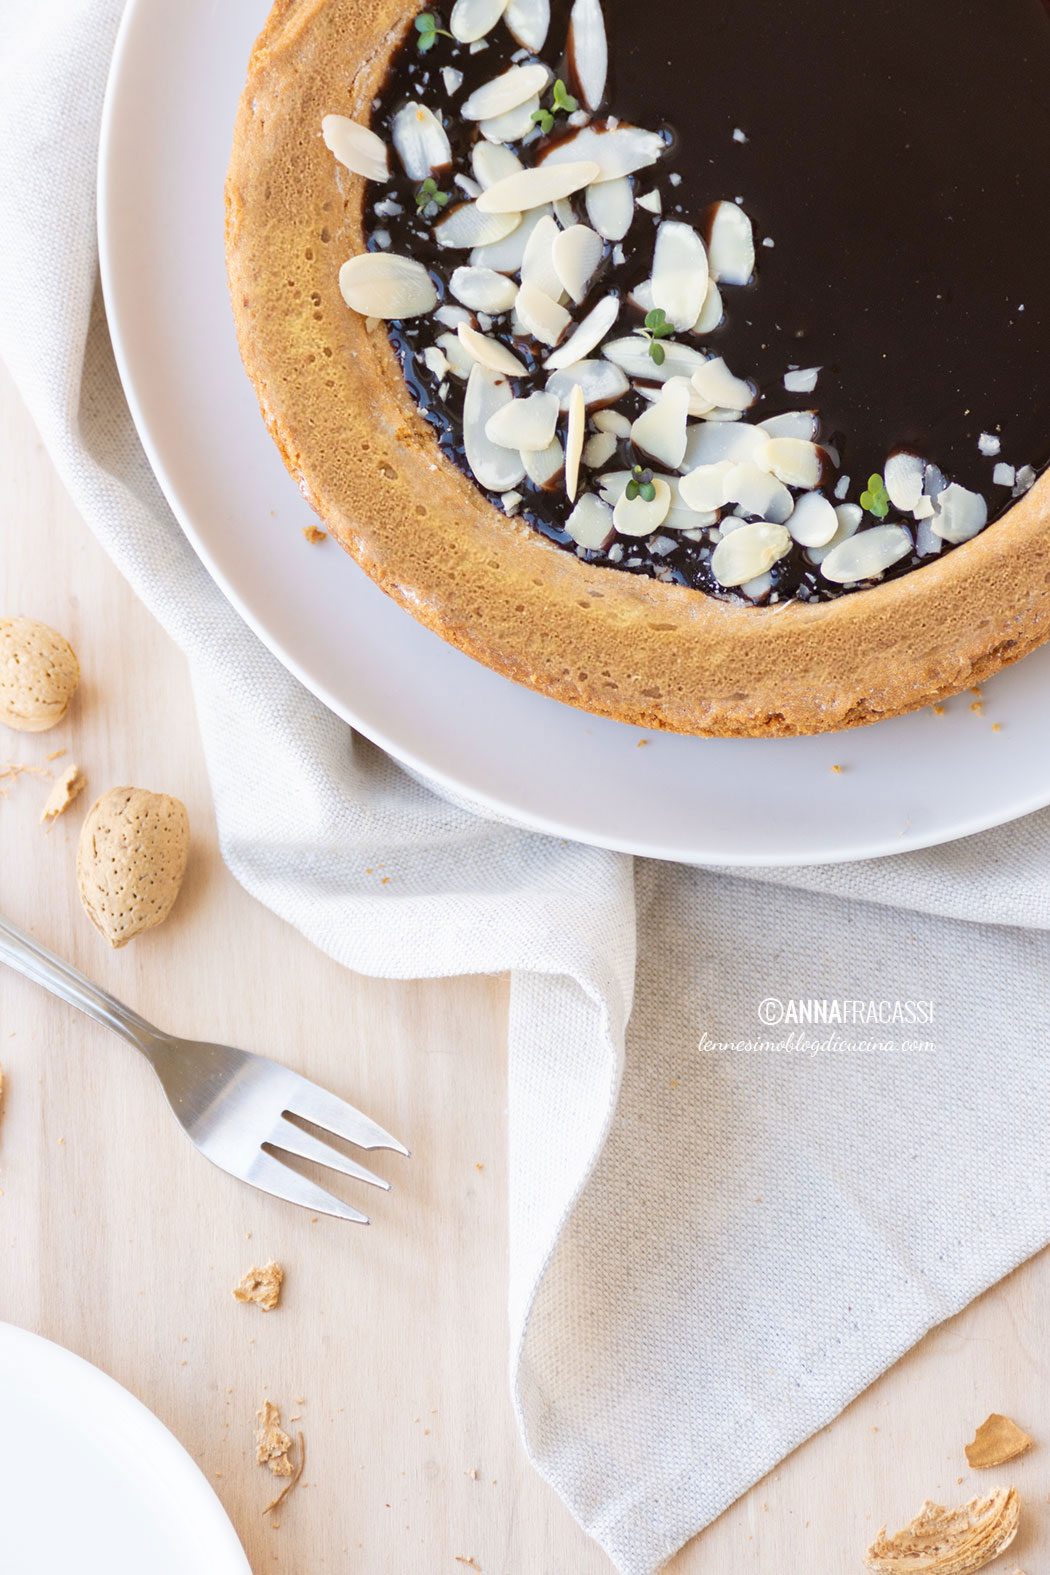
(712, 1249)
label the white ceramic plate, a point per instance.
(176, 78)
(91, 1481)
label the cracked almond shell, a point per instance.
(615, 644)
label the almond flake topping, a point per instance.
(714, 381)
(472, 19)
(591, 522)
(539, 316)
(527, 423)
(610, 207)
(489, 352)
(483, 290)
(640, 516)
(588, 51)
(866, 555)
(356, 146)
(587, 334)
(576, 254)
(505, 92)
(497, 468)
(749, 551)
(537, 263)
(468, 225)
(659, 432)
(542, 184)
(813, 521)
(730, 245)
(601, 381)
(381, 284)
(680, 273)
(577, 425)
(420, 141)
(960, 514)
(619, 150)
(528, 21)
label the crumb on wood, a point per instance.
(14, 769)
(470, 1561)
(938, 710)
(643, 743)
(55, 754)
(293, 1480)
(997, 727)
(272, 1443)
(837, 770)
(977, 707)
(65, 791)
(314, 534)
(261, 1286)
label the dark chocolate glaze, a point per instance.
(897, 155)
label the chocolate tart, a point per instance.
(379, 456)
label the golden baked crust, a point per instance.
(658, 655)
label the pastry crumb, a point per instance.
(261, 1286)
(10, 774)
(955, 1541)
(314, 534)
(938, 710)
(66, 790)
(837, 770)
(643, 743)
(997, 727)
(272, 1443)
(471, 1563)
(997, 1440)
(55, 754)
(977, 707)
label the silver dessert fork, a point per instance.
(235, 1105)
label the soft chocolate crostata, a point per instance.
(688, 363)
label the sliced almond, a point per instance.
(866, 555)
(640, 516)
(705, 487)
(527, 423)
(730, 244)
(382, 284)
(610, 207)
(613, 421)
(574, 436)
(680, 276)
(747, 552)
(576, 254)
(512, 125)
(793, 423)
(795, 461)
(544, 467)
(813, 521)
(537, 263)
(528, 21)
(659, 432)
(490, 353)
(949, 1541)
(468, 225)
(714, 381)
(507, 254)
(539, 316)
(497, 468)
(617, 150)
(533, 188)
(712, 311)
(903, 477)
(472, 19)
(960, 514)
(759, 494)
(801, 380)
(587, 334)
(456, 354)
(452, 79)
(491, 161)
(849, 517)
(588, 51)
(652, 202)
(632, 354)
(599, 449)
(419, 140)
(713, 441)
(508, 91)
(697, 407)
(356, 146)
(483, 290)
(601, 381)
(591, 523)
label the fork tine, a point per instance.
(269, 1175)
(295, 1141)
(325, 1110)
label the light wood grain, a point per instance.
(119, 1242)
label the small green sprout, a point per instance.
(429, 200)
(656, 328)
(428, 30)
(876, 499)
(562, 103)
(640, 485)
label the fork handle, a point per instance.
(27, 956)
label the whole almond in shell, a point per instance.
(130, 861)
(39, 673)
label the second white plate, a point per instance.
(177, 75)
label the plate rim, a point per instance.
(129, 1406)
(484, 801)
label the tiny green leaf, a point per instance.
(631, 491)
(544, 119)
(658, 353)
(647, 491)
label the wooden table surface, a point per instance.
(119, 1242)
